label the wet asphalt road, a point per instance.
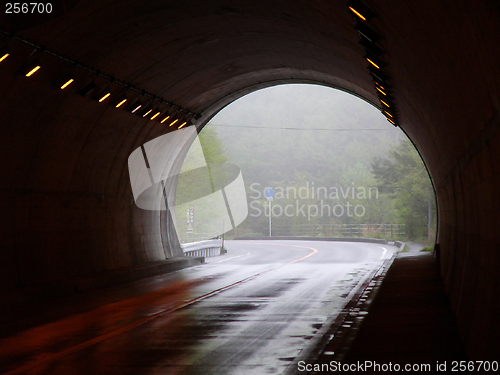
(250, 311)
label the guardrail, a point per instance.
(208, 248)
(296, 238)
(387, 231)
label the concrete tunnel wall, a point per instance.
(66, 204)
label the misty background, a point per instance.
(300, 136)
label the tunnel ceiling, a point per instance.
(196, 53)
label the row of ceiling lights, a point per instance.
(368, 40)
(151, 111)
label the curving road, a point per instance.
(251, 311)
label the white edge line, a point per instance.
(220, 261)
(383, 254)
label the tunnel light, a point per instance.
(384, 91)
(378, 84)
(360, 10)
(374, 61)
(33, 71)
(66, 82)
(147, 111)
(4, 53)
(104, 95)
(357, 13)
(367, 32)
(390, 115)
(371, 62)
(155, 115)
(387, 101)
(135, 107)
(165, 119)
(32, 68)
(381, 91)
(182, 125)
(174, 122)
(121, 101)
(87, 89)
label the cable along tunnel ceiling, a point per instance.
(199, 55)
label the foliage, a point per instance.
(406, 249)
(405, 178)
(213, 146)
(206, 149)
(428, 248)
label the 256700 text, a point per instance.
(25, 8)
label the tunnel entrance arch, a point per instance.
(238, 97)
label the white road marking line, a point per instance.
(220, 261)
(238, 256)
(383, 254)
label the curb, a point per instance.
(400, 245)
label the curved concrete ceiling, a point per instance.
(66, 197)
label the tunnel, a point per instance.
(67, 208)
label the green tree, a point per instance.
(405, 178)
(195, 182)
(213, 146)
